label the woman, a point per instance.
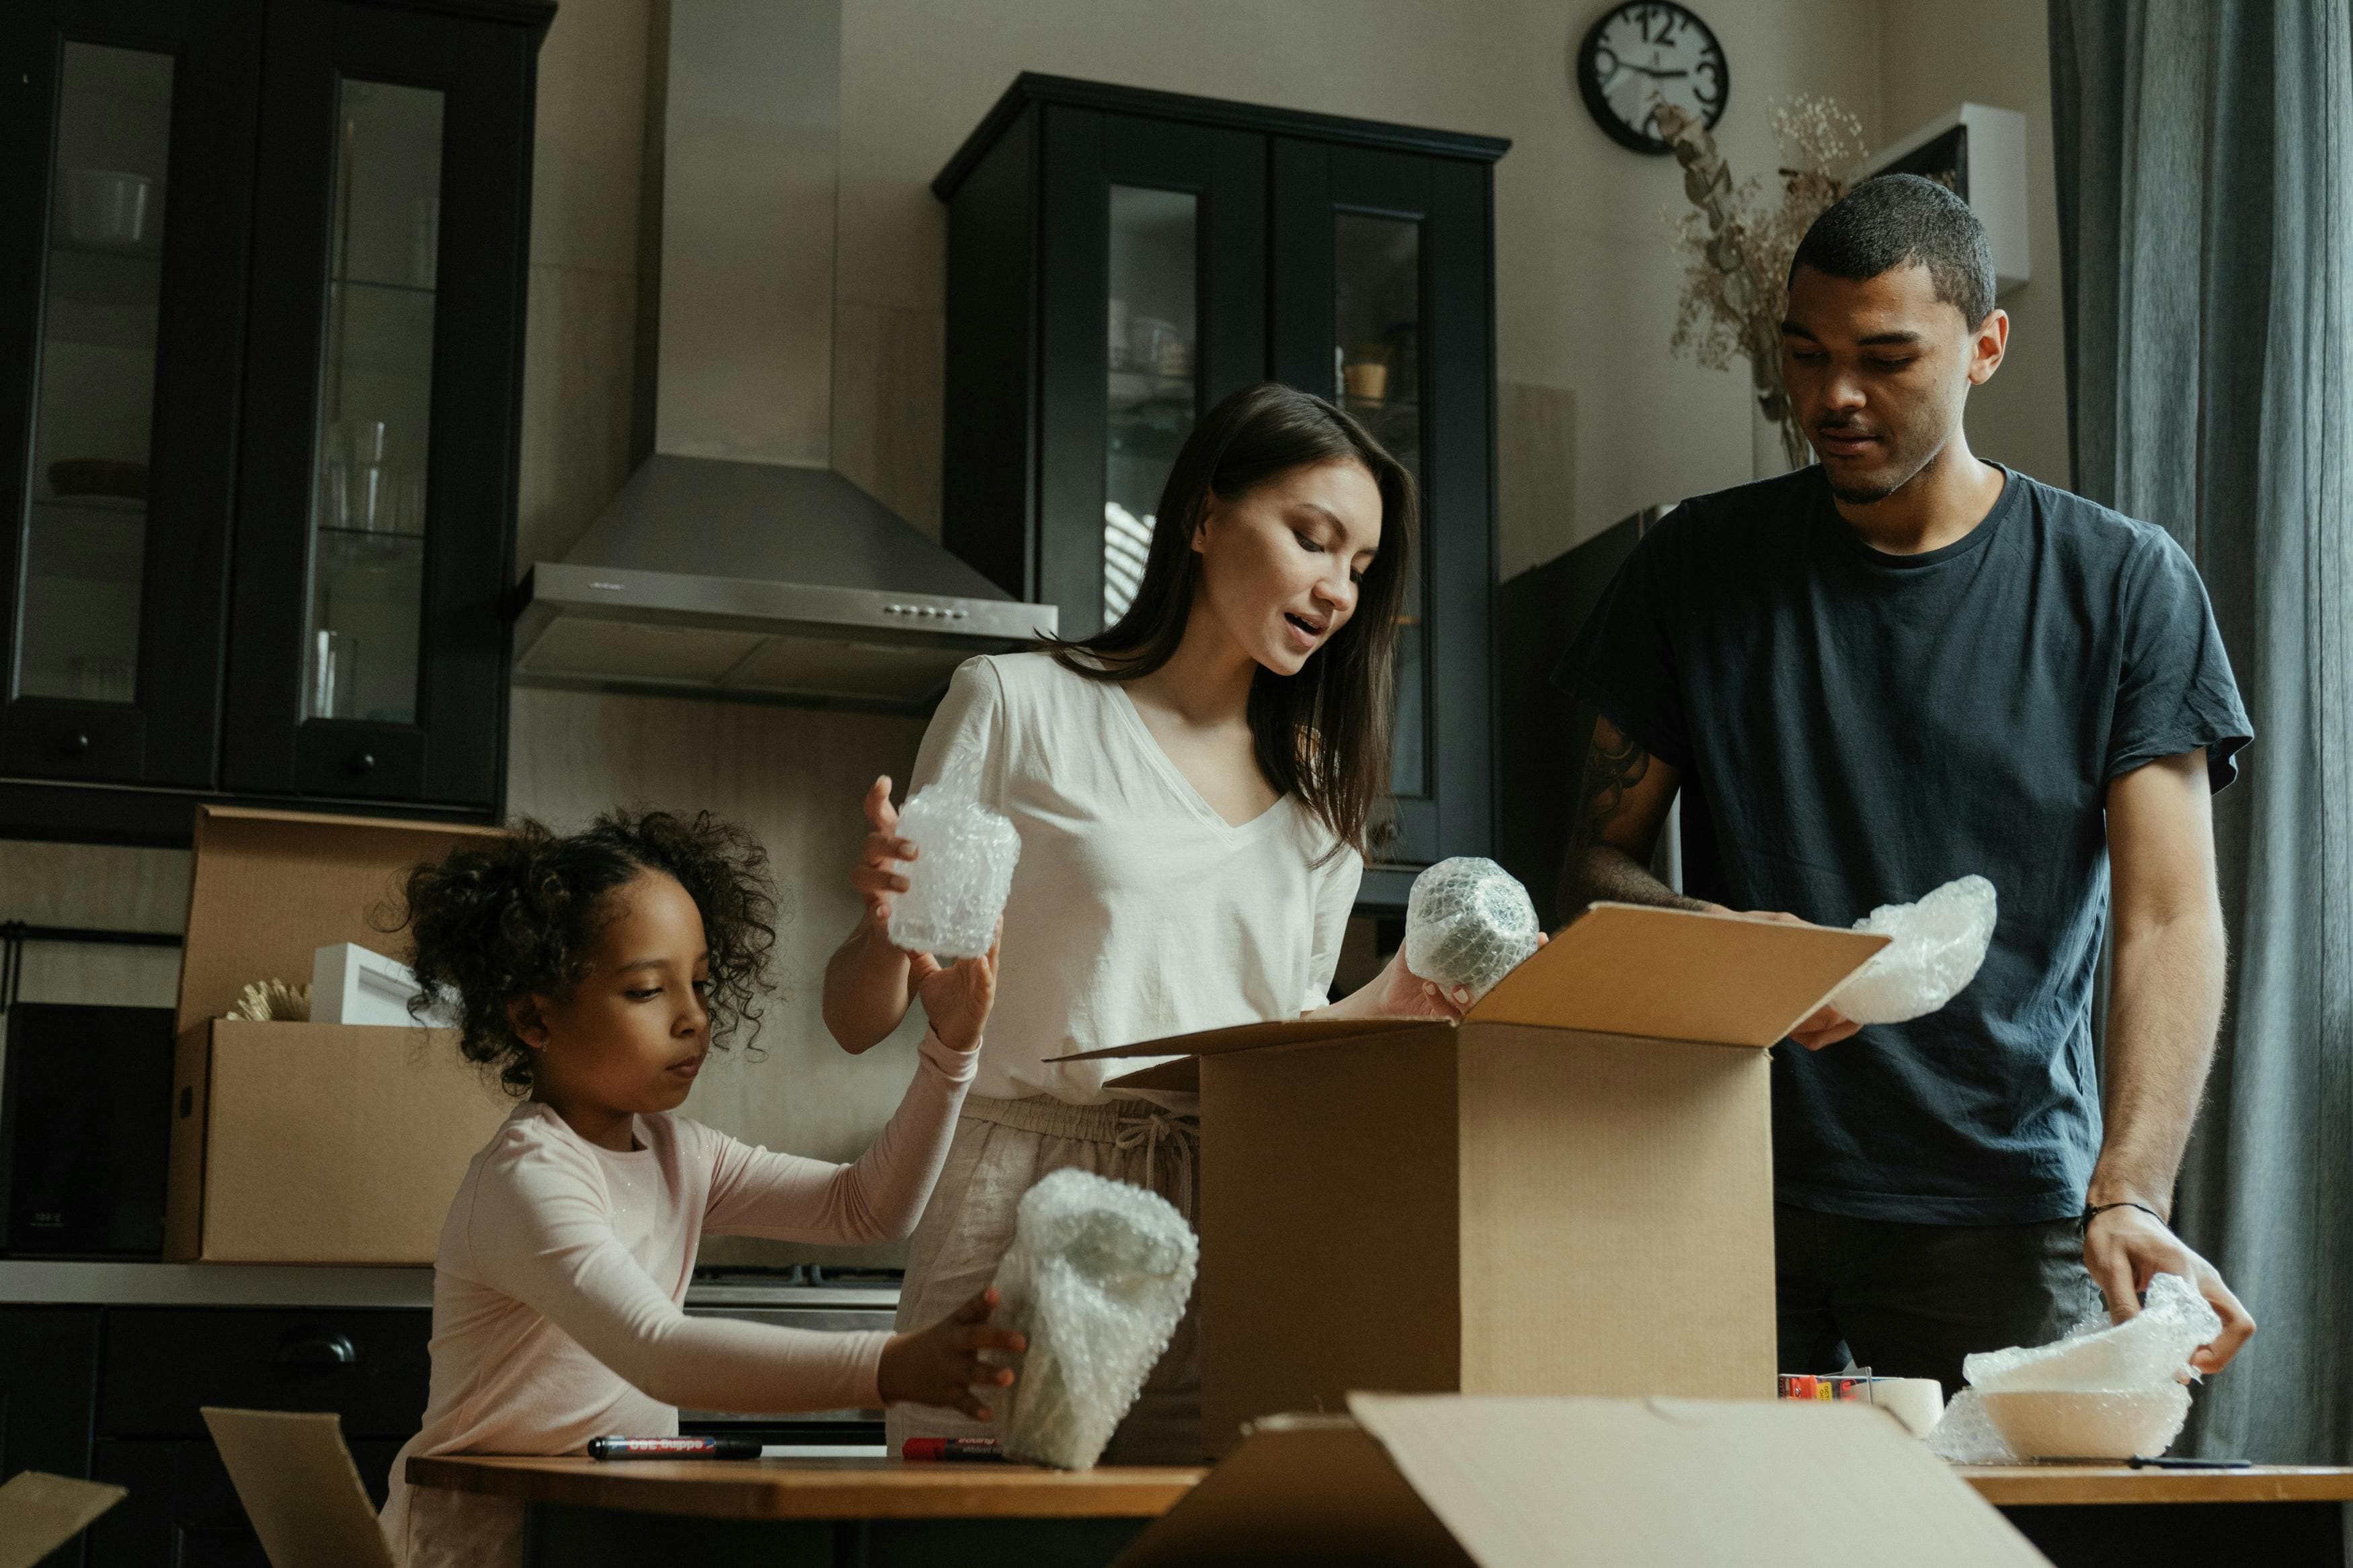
(1193, 788)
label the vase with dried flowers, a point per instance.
(1740, 240)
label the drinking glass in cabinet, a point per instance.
(369, 522)
(1150, 396)
(84, 523)
(1377, 361)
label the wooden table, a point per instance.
(881, 1513)
(2111, 1516)
(876, 1513)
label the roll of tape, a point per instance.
(1917, 1402)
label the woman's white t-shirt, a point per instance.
(1136, 911)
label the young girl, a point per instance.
(593, 973)
(1193, 789)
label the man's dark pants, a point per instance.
(1911, 1300)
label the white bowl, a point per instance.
(2088, 1424)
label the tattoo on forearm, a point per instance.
(1610, 773)
(1596, 868)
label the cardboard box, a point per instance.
(1569, 1192)
(298, 1142)
(1657, 1483)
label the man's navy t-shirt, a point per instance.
(1855, 729)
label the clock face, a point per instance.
(1643, 54)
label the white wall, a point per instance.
(1933, 56)
(1585, 286)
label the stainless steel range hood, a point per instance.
(735, 562)
(774, 582)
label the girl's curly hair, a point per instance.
(521, 916)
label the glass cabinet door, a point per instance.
(1151, 348)
(375, 399)
(1152, 292)
(121, 285)
(1381, 299)
(1377, 376)
(85, 516)
(367, 658)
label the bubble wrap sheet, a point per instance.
(1468, 923)
(1939, 943)
(1097, 1278)
(956, 888)
(2151, 1352)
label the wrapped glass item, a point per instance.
(1097, 1278)
(1468, 923)
(957, 886)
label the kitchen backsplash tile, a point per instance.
(793, 777)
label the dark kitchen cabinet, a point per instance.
(262, 272)
(116, 1394)
(48, 1396)
(1119, 260)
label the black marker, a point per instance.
(2138, 1463)
(673, 1447)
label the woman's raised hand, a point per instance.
(1399, 993)
(879, 877)
(941, 1366)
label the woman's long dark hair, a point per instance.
(1322, 735)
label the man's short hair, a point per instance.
(1896, 220)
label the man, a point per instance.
(1896, 667)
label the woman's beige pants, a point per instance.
(1002, 1147)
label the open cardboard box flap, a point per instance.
(271, 888)
(1617, 969)
(1503, 1482)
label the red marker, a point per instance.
(966, 1449)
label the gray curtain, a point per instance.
(2205, 164)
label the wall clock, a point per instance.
(1645, 53)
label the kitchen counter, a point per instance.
(32, 1282)
(24, 1281)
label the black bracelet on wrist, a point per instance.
(2093, 1211)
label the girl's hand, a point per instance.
(878, 877)
(941, 1366)
(957, 999)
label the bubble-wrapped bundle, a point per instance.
(1940, 942)
(957, 888)
(1468, 923)
(2103, 1394)
(1097, 1279)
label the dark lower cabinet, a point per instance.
(183, 1509)
(116, 1394)
(48, 1396)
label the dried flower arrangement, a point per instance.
(1740, 242)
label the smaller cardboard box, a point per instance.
(297, 1143)
(1531, 1483)
(1570, 1191)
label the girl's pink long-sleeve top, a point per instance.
(561, 1275)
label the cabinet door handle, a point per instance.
(316, 1347)
(75, 744)
(362, 763)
